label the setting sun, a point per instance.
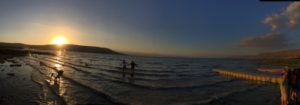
(59, 40)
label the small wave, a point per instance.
(181, 65)
(137, 71)
(55, 91)
(120, 80)
(154, 63)
(91, 66)
(219, 97)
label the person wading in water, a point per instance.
(289, 83)
(133, 65)
(59, 74)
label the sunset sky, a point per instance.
(197, 28)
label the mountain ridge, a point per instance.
(283, 54)
(68, 47)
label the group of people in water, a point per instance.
(289, 83)
(132, 69)
(289, 80)
(133, 65)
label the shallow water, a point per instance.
(97, 79)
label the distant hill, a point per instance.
(285, 54)
(68, 47)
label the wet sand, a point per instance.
(25, 84)
(18, 88)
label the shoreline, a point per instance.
(18, 86)
(27, 84)
(6, 54)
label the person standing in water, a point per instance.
(283, 85)
(59, 74)
(133, 65)
(124, 63)
(293, 83)
(288, 84)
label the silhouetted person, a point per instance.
(133, 65)
(59, 74)
(283, 84)
(293, 83)
(124, 63)
(288, 84)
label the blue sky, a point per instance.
(197, 28)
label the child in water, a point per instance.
(59, 74)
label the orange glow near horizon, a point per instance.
(59, 40)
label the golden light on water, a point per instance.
(57, 65)
(59, 40)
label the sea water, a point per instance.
(98, 79)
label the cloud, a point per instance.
(292, 12)
(266, 41)
(276, 21)
(289, 18)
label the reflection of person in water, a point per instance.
(124, 63)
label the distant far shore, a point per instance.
(10, 53)
(68, 47)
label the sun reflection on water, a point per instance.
(57, 58)
(58, 66)
(59, 52)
